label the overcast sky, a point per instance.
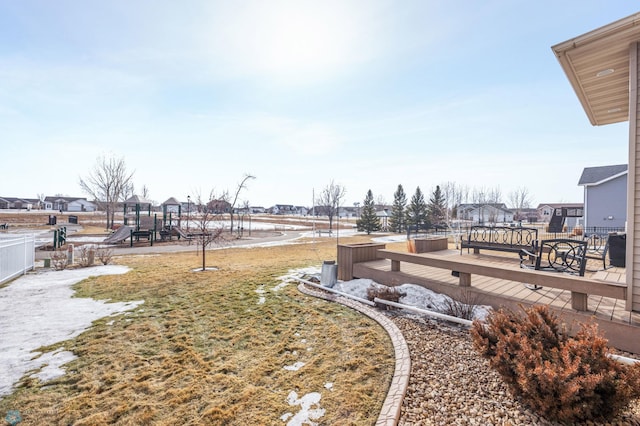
(369, 94)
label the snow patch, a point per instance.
(306, 413)
(295, 367)
(40, 310)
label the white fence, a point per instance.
(17, 255)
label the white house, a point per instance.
(485, 213)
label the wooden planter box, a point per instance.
(348, 254)
(426, 245)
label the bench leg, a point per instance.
(395, 266)
(578, 301)
(465, 279)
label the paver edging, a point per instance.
(390, 412)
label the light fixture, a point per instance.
(612, 110)
(605, 72)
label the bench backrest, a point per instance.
(562, 255)
(504, 235)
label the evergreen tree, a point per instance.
(417, 210)
(396, 221)
(368, 221)
(437, 207)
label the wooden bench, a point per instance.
(466, 267)
(500, 238)
(324, 231)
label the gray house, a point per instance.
(605, 196)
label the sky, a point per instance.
(369, 94)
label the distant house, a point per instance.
(283, 209)
(605, 196)
(301, 210)
(257, 209)
(16, 203)
(69, 204)
(527, 214)
(219, 206)
(483, 213)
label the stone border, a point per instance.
(390, 413)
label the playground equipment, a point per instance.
(59, 237)
(139, 222)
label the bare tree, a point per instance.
(330, 200)
(207, 231)
(453, 195)
(520, 199)
(242, 185)
(41, 198)
(108, 183)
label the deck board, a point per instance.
(598, 306)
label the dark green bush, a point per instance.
(563, 378)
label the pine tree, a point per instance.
(417, 210)
(437, 207)
(396, 221)
(369, 221)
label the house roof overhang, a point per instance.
(597, 66)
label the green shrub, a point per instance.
(563, 378)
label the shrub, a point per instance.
(462, 306)
(85, 255)
(59, 260)
(104, 254)
(563, 378)
(391, 294)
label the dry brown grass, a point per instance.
(201, 350)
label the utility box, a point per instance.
(617, 249)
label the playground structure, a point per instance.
(140, 223)
(559, 216)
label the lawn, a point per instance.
(205, 348)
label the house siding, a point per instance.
(633, 187)
(607, 200)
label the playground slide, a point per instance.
(120, 235)
(182, 232)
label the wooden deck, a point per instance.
(610, 313)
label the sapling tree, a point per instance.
(233, 200)
(209, 228)
(330, 200)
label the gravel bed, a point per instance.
(451, 385)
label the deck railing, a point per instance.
(17, 255)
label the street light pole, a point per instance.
(188, 210)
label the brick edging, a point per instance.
(390, 413)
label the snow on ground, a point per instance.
(38, 310)
(414, 295)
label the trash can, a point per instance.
(52, 219)
(329, 274)
(617, 249)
